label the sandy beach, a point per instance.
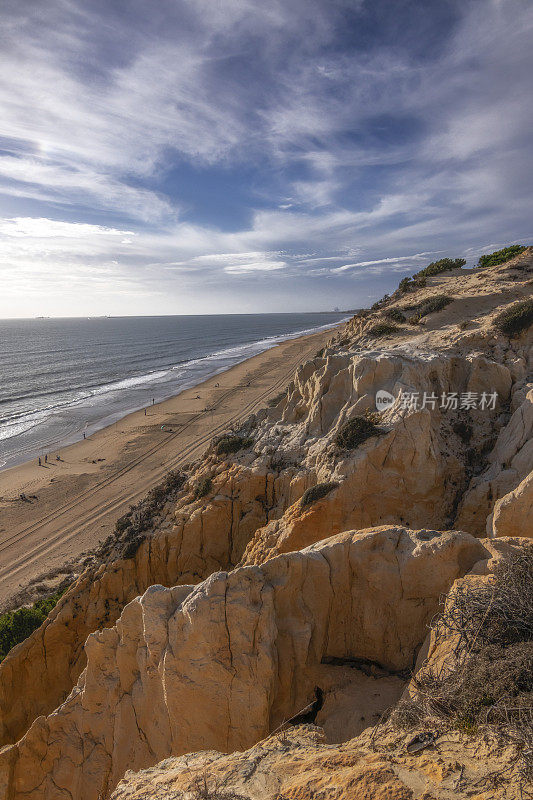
(72, 503)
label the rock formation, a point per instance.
(220, 665)
(213, 626)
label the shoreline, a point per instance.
(66, 424)
(77, 499)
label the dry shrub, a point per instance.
(488, 680)
(203, 488)
(317, 493)
(356, 431)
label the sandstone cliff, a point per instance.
(249, 621)
(219, 665)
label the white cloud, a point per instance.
(97, 110)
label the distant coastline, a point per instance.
(136, 366)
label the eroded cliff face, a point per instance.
(301, 765)
(150, 676)
(219, 665)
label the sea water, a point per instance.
(60, 378)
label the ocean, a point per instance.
(63, 377)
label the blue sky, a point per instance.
(194, 156)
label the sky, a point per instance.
(237, 156)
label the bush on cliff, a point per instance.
(130, 529)
(394, 314)
(203, 488)
(433, 304)
(408, 285)
(317, 493)
(501, 256)
(443, 265)
(515, 319)
(488, 678)
(382, 329)
(232, 444)
(355, 432)
(15, 626)
(276, 400)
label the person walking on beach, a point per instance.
(84, 434)
(46, 458)
(40, 461)
(144, 412)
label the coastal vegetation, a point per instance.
(436, 267)
(419, 279)
(274, 401)
(488, 678)
(512, 321)
(395, 315)
(232, 444)
(382, 329)
(203, 488)
(15, 626)
(501, 256)
(130, 529)
(356, 431)
(411, 285)
(317, 492)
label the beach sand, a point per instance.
(78, 499)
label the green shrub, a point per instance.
(204, 487)
(414, 319)
(501, 256)
(433, 304)
(355, 432)
(406, 285)
(394, 314)
(443, 265)
(140, 518)
(15, 626)
(515, 319)
(232, 444)
(317, 493)
(382, 329)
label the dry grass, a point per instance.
(488, 679)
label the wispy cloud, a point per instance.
(187, 151)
